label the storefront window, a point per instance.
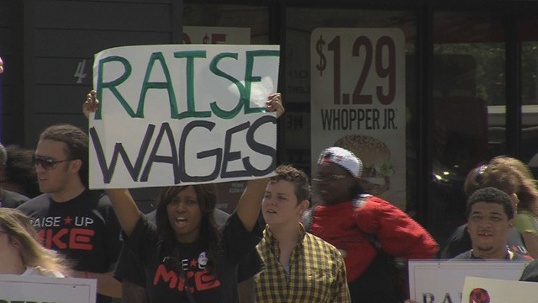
(529, 92)
(365, 62)
(468, 107)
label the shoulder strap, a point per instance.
(307, 218)
(372, 238)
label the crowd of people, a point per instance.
(275, 246)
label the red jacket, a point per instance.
(344, 225)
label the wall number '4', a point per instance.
(79, 72)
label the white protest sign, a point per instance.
(484, 290)
(442, 281)
(358, 96)
(183, 114)
(15, 288)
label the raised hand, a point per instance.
(91, 105)
(274, 103)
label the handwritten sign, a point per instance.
(15, 288)
(183, 114)
(443, 281)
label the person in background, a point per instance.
(364, 228)
(1, 65)
(525, 220)
(71, 219)
(8, 198)
(21, 253)
(294, 259)
(19, 172)
(490, 217)
(512, 177)
(515, 164)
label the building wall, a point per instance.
(11, 85)
(48, 48)
(55, 55)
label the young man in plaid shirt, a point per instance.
(299, 267)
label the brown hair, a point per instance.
(295, 176)
(76, 143)
(501, 175)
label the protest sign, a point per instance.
(182, 114)
(442, 281)
(15, 288)
(484, 290)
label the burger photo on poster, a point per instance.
(376, 161)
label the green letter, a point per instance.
(112, 85)
(146, 85)
(191, 110)
(243, 97)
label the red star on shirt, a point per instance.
(68, 220)
(193, 263)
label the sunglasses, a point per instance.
(328, 178)
(47, 162)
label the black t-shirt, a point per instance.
(167, 277)
(530, 273)
(468, 255)
(84, 229)
(460, 242)
(129, 268)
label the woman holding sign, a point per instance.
(185, 257)
(20, 251)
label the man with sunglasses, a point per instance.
(79, 223)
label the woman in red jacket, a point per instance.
(370, 232)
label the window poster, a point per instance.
(358, 102)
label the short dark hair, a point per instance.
(76, 142)
(20, 171)
(295, 176)
(491, 195)
(3, 155)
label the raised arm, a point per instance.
(248, 208)
(249, 204)
(126, 209)
(124, 205)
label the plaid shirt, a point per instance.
(317, 272)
